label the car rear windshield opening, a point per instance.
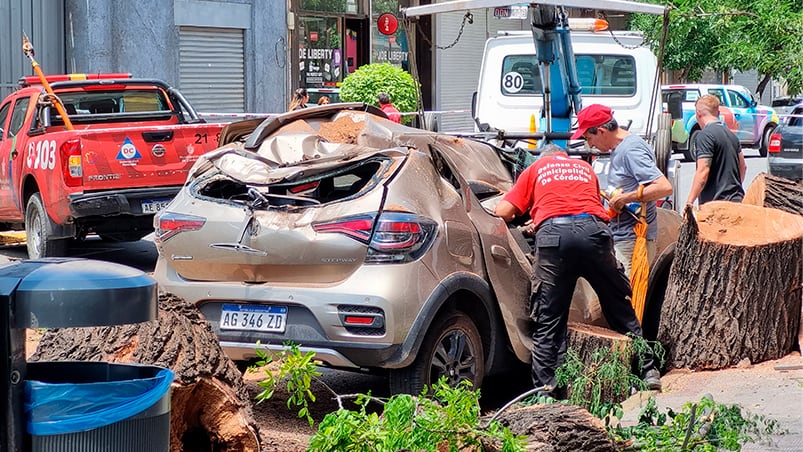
(321, 189)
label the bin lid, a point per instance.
(74, 292)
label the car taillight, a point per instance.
(168, 224)
(775, 143)
(358, 227)
(393, 237)
(70, 153)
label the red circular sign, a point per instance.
(388, 24)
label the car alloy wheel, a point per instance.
(452, 349)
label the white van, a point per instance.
(619, 73)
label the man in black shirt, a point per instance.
(720, 162)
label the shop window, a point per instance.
(392, 48)
(333, 6)
(321, 53)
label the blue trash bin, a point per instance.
(82, 406)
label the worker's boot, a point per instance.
(652, 378)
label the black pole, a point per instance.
(12, 370)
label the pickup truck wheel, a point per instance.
(452, 348)
(765, 139)
(37, 231)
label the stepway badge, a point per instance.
(128, 155)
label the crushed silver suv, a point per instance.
(365, 241)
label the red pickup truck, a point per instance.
(128, 153)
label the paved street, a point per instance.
(773, 389)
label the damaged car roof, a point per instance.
(317, 139)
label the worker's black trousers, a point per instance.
(567, 248)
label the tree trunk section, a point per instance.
(587, 341)
(734, 288)
(556, 427)
(210, 408)
(775, 192)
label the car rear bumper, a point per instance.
(784, 167)
(316, 315)
(117, 202)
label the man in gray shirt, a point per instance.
(720, 161)
(632, 165)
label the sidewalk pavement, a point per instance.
(773, 389)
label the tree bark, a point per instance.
(556, 427)
(775, 192)
(588, 341)
(734, 288)
(210, 408)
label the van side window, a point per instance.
(3, 117)
(737, 100)
(720, 94)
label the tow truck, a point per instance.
(550, 27)
(551, 32)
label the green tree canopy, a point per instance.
(719, 35)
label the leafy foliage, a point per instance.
(719, 35)
(446, 420)
(296, 369)
(602, 384)
(368, 80)
(705, 426)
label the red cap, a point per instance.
(594, 115)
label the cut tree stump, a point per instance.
(586, 340)
(734, 288)
(210, 409)
(775, 192)
(556, 427)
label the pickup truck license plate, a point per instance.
(154, 205)
(269, 319)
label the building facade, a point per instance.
(224, 55)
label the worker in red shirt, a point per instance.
(572, 239)
(387, 107)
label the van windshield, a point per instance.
(599, 75)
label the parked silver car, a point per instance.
(366, 241)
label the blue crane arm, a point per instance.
(555, 58)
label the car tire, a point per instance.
(37, 231)
(657, 285)
(690, 153)
(663, 149)
(664, 122)
(765, 139)
(452, 348)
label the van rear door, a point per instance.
(509, 90)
